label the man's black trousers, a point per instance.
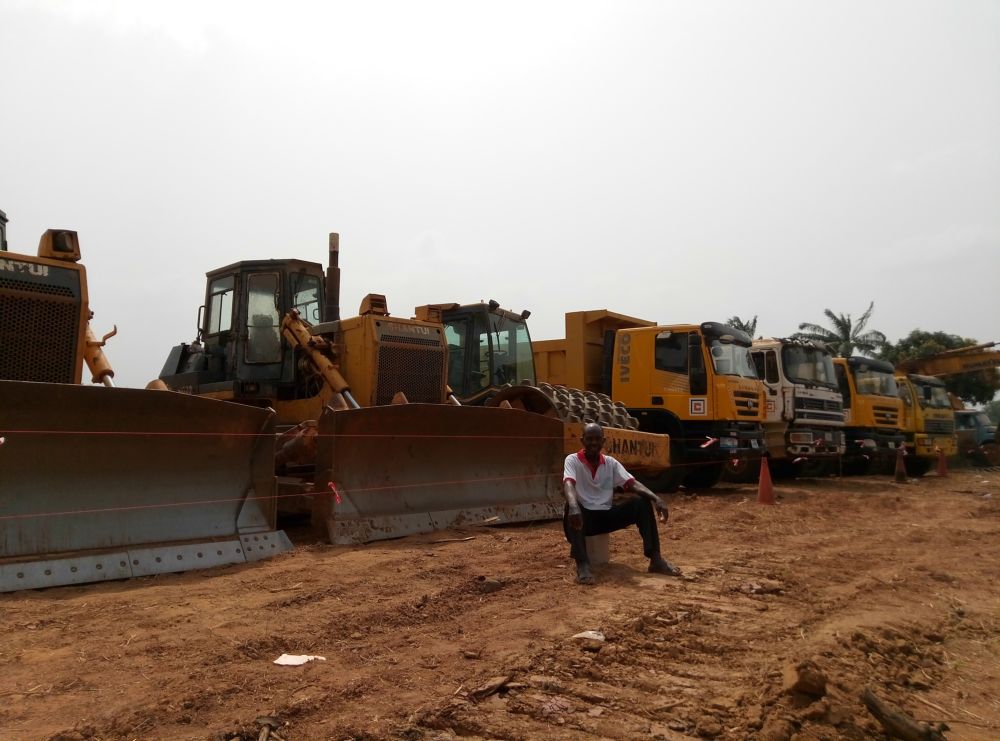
(637, 511)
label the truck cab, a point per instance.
(928, 418)
(804, 411)
(873, 412)
(696, 382)
(977, 437)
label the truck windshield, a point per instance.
(510, 345)
(874, 382)
(730, 359)
(932, 396)
(808, 365)
(983, 419)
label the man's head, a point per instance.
(593, 439)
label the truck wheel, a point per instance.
(991, 453)
(704, 477)
(916, 467)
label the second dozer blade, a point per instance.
(415, 468)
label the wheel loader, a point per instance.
(370, 437)
(98, 482)
(491, 363)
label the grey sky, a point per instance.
(675, 161)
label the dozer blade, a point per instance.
(385, 472)
(106, 483)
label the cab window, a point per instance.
(671, 352)
(305, 296)
(770, 367)
(220, 304)
(263, 319)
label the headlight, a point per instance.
(800, 438)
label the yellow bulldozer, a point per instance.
(98, 482)
(369, 433)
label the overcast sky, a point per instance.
(681, 162)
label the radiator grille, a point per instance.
(416, 368)
(39, 327)
(886, 416)
(939, 426)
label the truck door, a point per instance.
(679, 375)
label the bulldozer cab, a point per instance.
(488, 347)
(239, 353)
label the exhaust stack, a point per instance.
(331, 312)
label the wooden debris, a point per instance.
(899, 725)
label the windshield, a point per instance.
(511, 348)
(730, 359)
(874, 382)
(932, 396)
(984, 419)
(808, 365)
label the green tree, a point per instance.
(750, 327)
(978, 387)
(847, 336)
(993, 411)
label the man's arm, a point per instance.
(659, 506)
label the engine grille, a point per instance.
(39, 329)
(939, 426)
(747, 403)
(415, 367)
(886, 416)
(818, 405)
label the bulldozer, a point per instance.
(99, 482)
(491, 363)
(370, 438)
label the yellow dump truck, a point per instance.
(873, 413)
(928, 421)
(694, 382)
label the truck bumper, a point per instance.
(871, 442)
(717, 441)
(928, 446)
(813, 442)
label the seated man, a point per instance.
(589, 481)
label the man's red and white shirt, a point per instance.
(595, 485)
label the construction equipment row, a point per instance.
(379, 426)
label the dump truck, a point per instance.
(368, 432)
(693, 382)
(803, 411)
(929, 424)
(928, 421)
(491, 363)
(873, 413)
(99, 482)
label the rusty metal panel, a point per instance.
(88, 471)
(415, 468)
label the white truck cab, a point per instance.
(803, 409)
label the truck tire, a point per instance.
(991, 453)
(704, 476)
(916, 466)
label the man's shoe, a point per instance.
(660, 565)
(583, 573)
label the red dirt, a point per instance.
(878, 585)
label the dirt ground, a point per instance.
(861, 582)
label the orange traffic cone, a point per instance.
(942, 469)
(900, 465)
(765, 490)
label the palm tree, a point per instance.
(847, 336)
(749, 327)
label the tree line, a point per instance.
(846, 336)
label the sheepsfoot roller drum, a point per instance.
(106, 483)
(385, 472)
